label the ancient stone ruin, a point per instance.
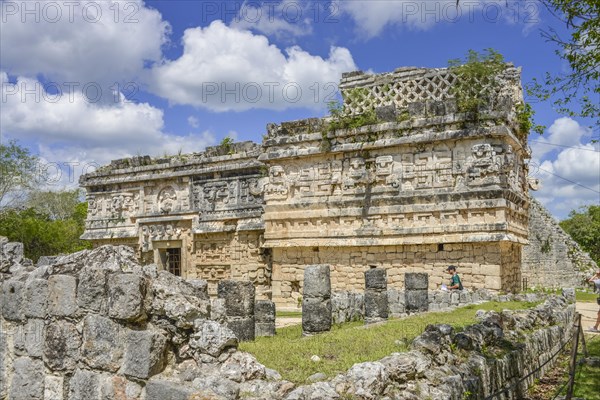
(423, 186)
(96, 325)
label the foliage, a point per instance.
(42, 234)
(576, 92)
(350, 343)
(477, 82)
(18, 170)
(226, 145)
(56, 205)
(477, 85)
(584, 228)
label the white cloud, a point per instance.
(571, 178)
(372, 16)
(81, 41)
(193, 121)
(563, 132)
(224, 69)
(285, 20)
(72, 130)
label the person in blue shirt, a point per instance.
(455, 282)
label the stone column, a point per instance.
(264, 312)
(376, 298)
(316, 300)
(239, 307)
(416, 284)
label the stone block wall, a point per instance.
(493, 266)
(552, 258)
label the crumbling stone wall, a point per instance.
(552, 258)
(96, 325)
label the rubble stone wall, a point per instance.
(552, 258)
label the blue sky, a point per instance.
(85, 82)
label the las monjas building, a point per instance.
(419, 186)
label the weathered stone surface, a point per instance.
(180, 300)
(28, 380)
(243, 328)
(316, 315)
(376, 278)
(144, 354)
(416, 280)
(12, 300)
(264, 314)
(212, 338)
(239, 297)
(347, 306)
(84, 385)
(396, 302)
(119, 388)
(102, 346)
(62, 298)
(29, 338)
(376, 306)
(363, 381)
(36, 298)
(241, 367)
(317, 282)
(61, 346)
(4, 355)
(54, 387)
(163, 390)
(416, 300)
(217, 310)
(91, 292)
(126, 297)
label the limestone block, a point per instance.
(376, 278)
(62, 297)
(29, 338)
(119, 388)
(126, 297)
(217, 310)
(239, 297)
(316, 315)
(3, 364)
(465, 297)
(102, 346)
(242, 327)
(91, 293)
(12, 300)
(163, 390)
(264, 313)
(36, 298)
(454, 298)
(145, 354)
(376, 306)
(493, 282)
(28, 380)
(396, 302)
(61, 346)
(416, 300)
(317, 281)
(54, 387)
(416, 281)
(212, 338)
(84, 385)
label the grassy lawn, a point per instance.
(586, 297)
(587, 379)
(289, 353)
(288, 314)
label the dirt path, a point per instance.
(589, 313)
(281, 322)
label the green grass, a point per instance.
(289, 353)
(586, 297)
(587, 379)
(288, 314)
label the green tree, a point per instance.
(584, 228)
(55, 204)
(18, 169)
(46, 231)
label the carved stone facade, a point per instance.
(412, 193)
